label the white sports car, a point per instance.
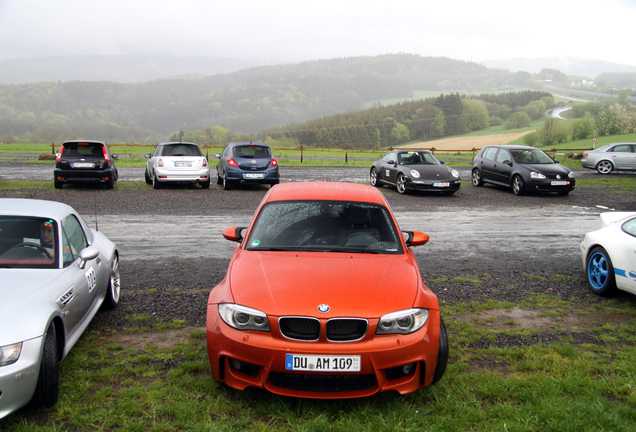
(609, 254)
(55, 273)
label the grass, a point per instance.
(107, 385)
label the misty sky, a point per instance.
(291, 31)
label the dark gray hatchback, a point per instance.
(522, 168)
(81, 161)
(246, 162)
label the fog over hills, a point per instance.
(127, 69)
(587, 68)
(115, 68)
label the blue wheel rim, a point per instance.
(597, 271)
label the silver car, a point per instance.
(611, 157)
(177, 162)
(55, 274)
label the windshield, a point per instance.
(535, 156)
(324, 226)
(28, 242)
(417, 158)
(252, 151)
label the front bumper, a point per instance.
(18, 380)
(433, 186)
(547, 185)
(241, 359)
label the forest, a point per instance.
(246, 102)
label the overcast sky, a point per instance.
(291, 31)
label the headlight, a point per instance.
(571, 174)
(536, 175)
(243, 318)
(414, 174)
(402, 322)
(455, 173)
(10, 354)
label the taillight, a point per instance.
(232, 162)
(205, 162)
(105, 154)
(160, 163)
(273, 163)
(585, 154)
(58, 157)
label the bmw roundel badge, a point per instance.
(323, 308)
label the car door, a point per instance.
(623, 256)
(622, 156)
(388, 168)
(82, 292)
(502, 168)
(487, 163)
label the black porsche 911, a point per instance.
(417, 170)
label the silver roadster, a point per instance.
(55, 273)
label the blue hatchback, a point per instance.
(246, 162)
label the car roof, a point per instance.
(334, 191)
(513, 147)
(84, 141)
(236, 143)
(177, 143)
(33, 207)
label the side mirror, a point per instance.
(87, 254)
(115, 156)
(442, 162)
(147, 155)
(415, 238)
(218, 155)
(234, 233)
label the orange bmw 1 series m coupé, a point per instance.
(323, 298)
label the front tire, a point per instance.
(373, 177)
(114, 285)
(517, 185)
(476, 177)
(604, 167)
(46, 391)
(600, 272)
(442, 353)
(401, 183)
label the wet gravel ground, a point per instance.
(177, 288)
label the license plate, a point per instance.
(559, 183)
(317, 363)
(83, 165)
(183, 164)
(441, 184)
(254, 176)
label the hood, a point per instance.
(548, 169)
(296, 283)
(433, 172)
(22, 296)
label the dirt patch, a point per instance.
(467, 143)
(541, 319)
(165, 339)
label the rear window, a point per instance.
(83, 150)
(252, 151)
(181, 150)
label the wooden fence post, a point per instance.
(301, 154)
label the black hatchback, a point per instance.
(81, 161)
(246, 162)
(522, 168)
